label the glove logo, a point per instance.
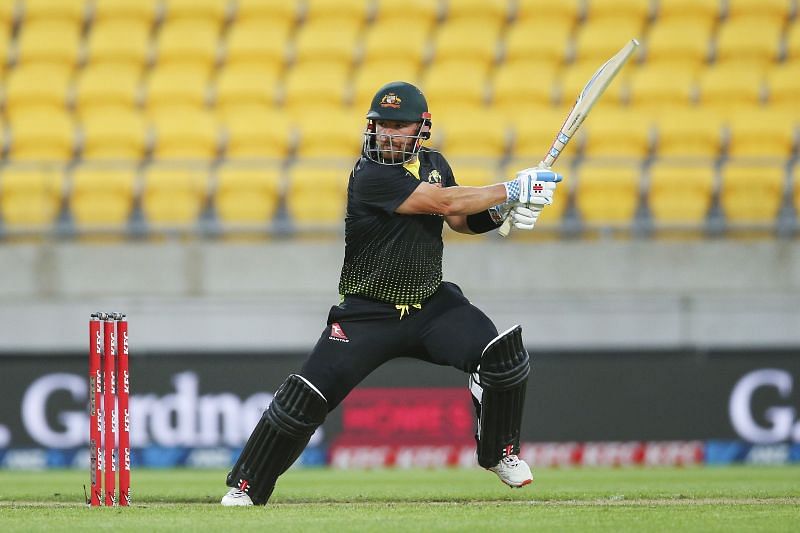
(537, 187)
(390, 100)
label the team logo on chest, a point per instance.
(434, 176)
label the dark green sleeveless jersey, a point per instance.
(390, 257)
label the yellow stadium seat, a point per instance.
(71, 11)
(761, 132)
(257, 133)
(131, 11)
(258, 41)
(247, 195)
(473, 134)
(5, 45)
(176, 85)
(245, 85)
(316, 195)
(487, 11)
(185, 133)
(251, 10)
(102, 196)
(774, 10)
(574, 79)
(660, 85)
(751, 193)
(607, 194)
(174, 195)
(475, 175)
(518, 86)
(473, 41)
(37, 85)
(534, 133)
(331, 41)
(188, 42)
(680, 193)
(689, 133)
(700, 10)
(752, 42)
(413, 12)
(371, 76)
(336, 11)
(7, 11)
(315, 84)
(41, 134)
(679, 41)
(379, 45)
(108, 84)
(30, 196)
(535, 41)
(617, 133)
(55, 42)
(114, 133)
(554, 213)
(784, 88)
(793, 44)
(215, 11)
(316, 138)
(634, 10)
(441, 92)
(119, 41)
(727, 87)
(596, 41)
(564, 11)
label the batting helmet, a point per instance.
(402, 102)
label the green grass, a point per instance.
(654, 499)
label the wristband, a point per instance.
(484, 221)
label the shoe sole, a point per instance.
(520, 485)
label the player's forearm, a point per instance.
(471, 200)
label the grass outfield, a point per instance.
(655, 499)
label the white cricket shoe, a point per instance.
(513, 471)
(236, 498)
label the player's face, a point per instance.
(395, 137)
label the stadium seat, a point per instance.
(336, 11)
(534, 134)
(751, 193)
(751, 42)
(574, 78)
(7, 11)
(252, 10)
(114, 133)
(634, 10)
(679, 41)
(777, 11)
(474, 134)
(698, 10)
(486, 11)
(379, 45)
(102, 196)
(761, 132)
(119, 42)
(130, 11)
(258, 42)
(257, 133)
(793, 44)
(215, 11)
(69, 11)
(727, 87)
(188, 42)
(441, 93)
(30, 196)
(475, 175)
(520, 86)
(5, 45)
(245, 85)
(617, 133)
(596, 41)
(41, 134)
(369, 77)
(173, 195)
(247, 195)
(336, 133)
(414, 12)
(784, 88)
(680, 194)
(176, 85)
(535, 41)
(109, 84)
(653, 87)
(568, 11)
(316, 195)
(35, 86)
(330, 41)
(52, 42)
(607, 193)
(315, 85)
(689, 133)
(473, 41)
(185, 133)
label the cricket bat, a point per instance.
(590, 93)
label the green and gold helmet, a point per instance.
(402, 102)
